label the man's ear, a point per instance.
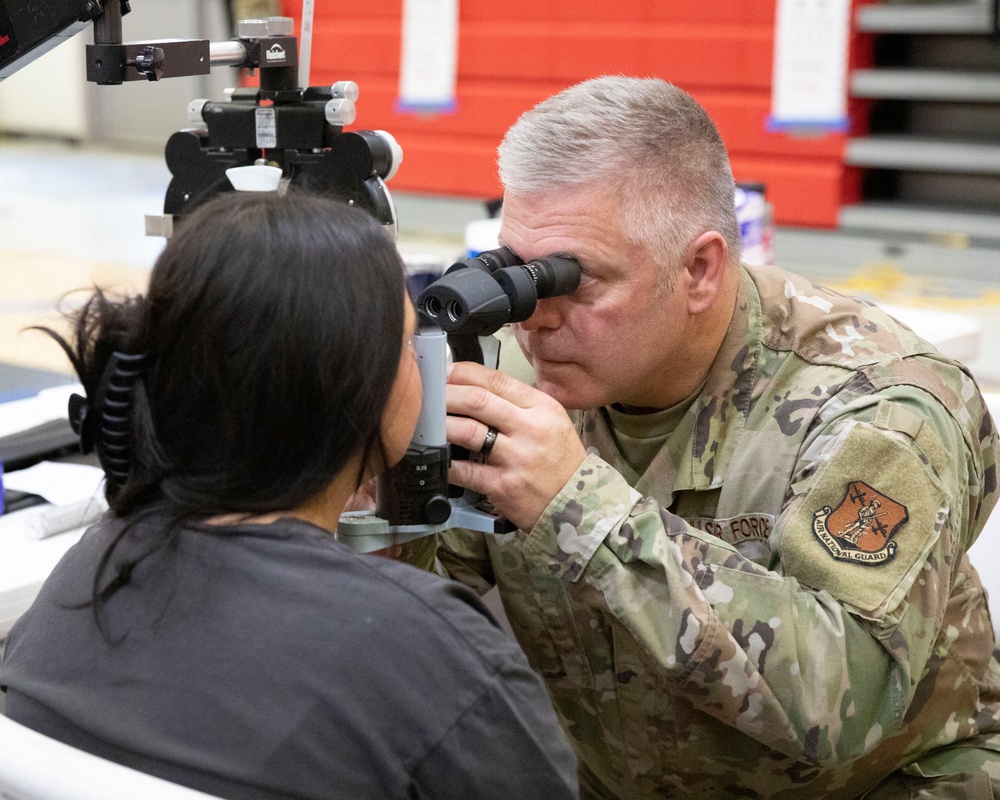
(706, 261)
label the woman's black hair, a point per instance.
(272, 329)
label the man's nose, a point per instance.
(548, 314)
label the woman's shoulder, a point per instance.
(321, 571)
(417, 594)
(299, 568)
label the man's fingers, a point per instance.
(480, 478)
(467, 432)
(536, 449)
(482, 406)
(494, 382)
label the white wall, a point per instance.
(51, 96)
(47, 97)
(141, 114)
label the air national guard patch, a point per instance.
(861, 528)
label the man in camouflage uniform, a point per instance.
(741, 562)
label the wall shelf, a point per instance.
(925, 154)
(953, 86)
(975, 17)
(931, 162)
(938, 223)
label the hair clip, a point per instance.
(105, 423)
(81, 422)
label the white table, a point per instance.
(958, 336)
(24, 564)
(955, 335)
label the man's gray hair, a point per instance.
(644, 139)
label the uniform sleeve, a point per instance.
(817, 657)
(462, 555)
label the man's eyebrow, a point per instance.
(504, 244)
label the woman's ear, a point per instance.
(706, 261)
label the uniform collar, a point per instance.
(717, 417)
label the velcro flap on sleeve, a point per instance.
(865, 526)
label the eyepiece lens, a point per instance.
(432, 306)
(555, 276)
(455, 312)
(498, 259)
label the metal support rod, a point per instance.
(108, 26)
(226, 54)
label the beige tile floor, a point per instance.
(69, 219)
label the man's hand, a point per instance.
(536, 450)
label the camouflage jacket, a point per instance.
(780, 605)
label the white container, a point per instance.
(255, 178)
(751, 214)
(480, 235)
(422, 269)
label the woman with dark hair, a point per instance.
(210, 629)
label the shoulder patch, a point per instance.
(864, 526)
(861, 528)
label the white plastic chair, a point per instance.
(35, 767)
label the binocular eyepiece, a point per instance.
(478, 296)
